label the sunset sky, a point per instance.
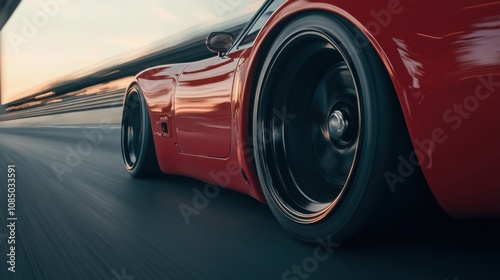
(44, 42)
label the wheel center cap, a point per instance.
(337, 125)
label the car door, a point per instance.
(203, 106)
(203, 97)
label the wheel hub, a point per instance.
(338, 125)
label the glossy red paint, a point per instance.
(443, 59)
(203, 106)
(179, 92)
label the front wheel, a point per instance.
(321, 166)
(138, 151)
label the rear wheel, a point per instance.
(138, 151)
(321, 166)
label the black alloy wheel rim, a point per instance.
(310, 155)
(132, 129)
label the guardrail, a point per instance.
(72, 104)
(175, 49)
(186, 47)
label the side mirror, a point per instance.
(219, 42)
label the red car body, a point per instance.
(444, 62)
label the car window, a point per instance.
(249, 38)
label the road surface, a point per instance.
(81, 216)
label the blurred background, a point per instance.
(62, 56)
(63, 70)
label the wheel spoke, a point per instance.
(310, 159)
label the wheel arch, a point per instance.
(283, 16)
(132, 84)
(382, 90)
(269, 33)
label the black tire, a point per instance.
(138, 150)
(326, 126)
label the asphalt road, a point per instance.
(91, 220)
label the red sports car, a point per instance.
(325, 109)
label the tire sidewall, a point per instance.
(138, 169)
(365, 188)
